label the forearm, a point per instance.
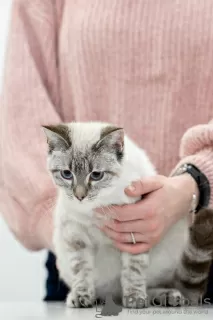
(27, 192)
(197, 150)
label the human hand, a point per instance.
(166, 200)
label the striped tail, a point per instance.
(191, 275)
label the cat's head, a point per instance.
(85, 158)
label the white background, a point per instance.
(22, 273)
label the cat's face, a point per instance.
(85, 158)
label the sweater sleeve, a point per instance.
(30, 98)
(197, 148)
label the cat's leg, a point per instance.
(133, 280)
(165, 297)
(76, 265)
(192, 272)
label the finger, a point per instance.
(141, 226)
(145, 185)
(123, 237)
(128, 212)
(108, 213)
(133, 248)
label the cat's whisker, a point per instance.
(108, 216)
(114, 213)
(111, 215)
(103, 210)
(105, 214)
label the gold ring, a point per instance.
(133, 238)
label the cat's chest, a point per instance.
(98, 238)
(90, 233)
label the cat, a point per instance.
(191, 274)
(91, 163)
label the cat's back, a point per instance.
(136, 165)
(136, 159)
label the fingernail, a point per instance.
(98, 215)
(131, 188)
(98, 211)
(98, 224)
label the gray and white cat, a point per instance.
(91, 164)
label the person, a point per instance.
(143, 65)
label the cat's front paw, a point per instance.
(137, 300)
(81, 298)
(170, 298)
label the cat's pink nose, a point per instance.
(80, 197)
(80, 192)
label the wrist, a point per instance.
(202, 183)
(188, 189)
(190, 186)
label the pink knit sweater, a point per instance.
(146, 65)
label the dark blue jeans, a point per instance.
(56, 290)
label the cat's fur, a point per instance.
(87, 260)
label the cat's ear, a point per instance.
(58, 137)
(112, 137)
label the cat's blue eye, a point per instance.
(96, 175)
(66, 174)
